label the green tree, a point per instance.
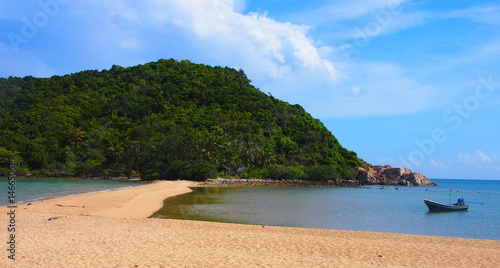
(144, 119)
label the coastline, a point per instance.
(43, 176)
(339, 183)
(223, 182)
(33, 189)
(111, 228)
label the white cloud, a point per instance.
(436, 164)
(347, 10)
(275, 48)
(215, 33)
(465, 158)
(279, 57)
(358, 20)
(361, 32)
(267, 49)
(489, 49)
(482, 157)
(478, 158)
(101, 33)
(482, 14)
(355, 91)
(387, 90)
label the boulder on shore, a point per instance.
(391, 176)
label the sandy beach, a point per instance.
(111, 229)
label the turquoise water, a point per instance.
(34, 189)
(394, 209)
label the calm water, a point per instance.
(33, 189)
(381, 209)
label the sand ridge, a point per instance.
(111, 229)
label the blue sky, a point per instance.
(407, 83)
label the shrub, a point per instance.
(6, 156)
(198, 170)
(280, 172)
(322, 173)
(253, 174)
(90, 167)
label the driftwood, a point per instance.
(69, 206)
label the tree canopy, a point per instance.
(163, 120)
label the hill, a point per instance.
(166, 120)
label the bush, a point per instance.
(322, 173)
(6, 156)
(253, 174)
(90, 167)
(279, 172)
(346, 173)
(150, 172)
(198, 170)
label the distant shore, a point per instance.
(45, 176)
(233, 181)
(341, 183)
(279, 183)
(112, 229)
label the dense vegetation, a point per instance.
(164, 120)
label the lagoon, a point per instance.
(394, 209)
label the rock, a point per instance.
(364, 177)
(391, 176)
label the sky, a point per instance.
(412, 84)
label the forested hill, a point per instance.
(164, 120)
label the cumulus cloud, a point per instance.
(269, 48)
(279, 56)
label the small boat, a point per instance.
(458, 206)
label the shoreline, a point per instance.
(111, 178)
(67, 192)
(223, 182)
(112, 229)
(233, 181)
(341, 183)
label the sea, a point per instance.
(394, 209)
(36, 189)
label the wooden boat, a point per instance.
(435, 206)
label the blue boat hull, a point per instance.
(434, 206)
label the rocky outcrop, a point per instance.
(364, 177)
(391, 176)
